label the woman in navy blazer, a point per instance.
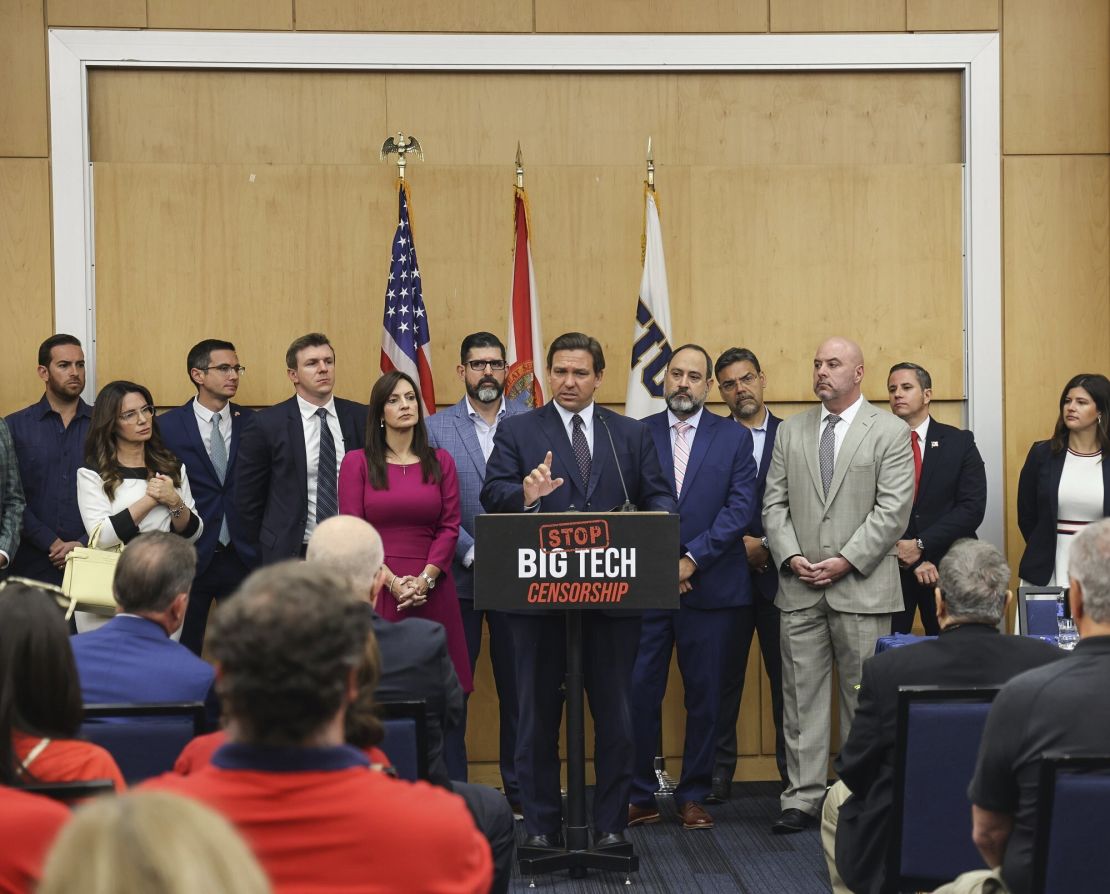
(1058, 487)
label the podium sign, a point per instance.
(577, 560)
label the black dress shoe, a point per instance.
(720, 790)
(551, 842)
(793, 820)
(612, 839)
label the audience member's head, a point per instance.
(153, 577)
(150, 843)
(1089, 574)
(350, 546)
(287, 649)
(974, 578)
(40, 693)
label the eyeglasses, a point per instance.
(224, 369)
(732, 384)
(480, 365)
(137, 415)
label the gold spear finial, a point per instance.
(402, 146)
(519, 167)
(650, 168)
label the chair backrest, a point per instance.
(145, 740)
(406, 737)
(938, 736)
(1038, 609)
(1070, 852)
(70, 793)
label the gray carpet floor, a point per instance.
(738, 856)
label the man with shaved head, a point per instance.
(839, 494)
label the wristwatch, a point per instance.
(765, 543)
(430, 581)
(920, 544)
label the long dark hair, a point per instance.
(1098, 386)
(40, 693)
(100, 445)
(375, 434)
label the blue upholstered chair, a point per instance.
(145, 740)
(1071, 853)
(406, 738)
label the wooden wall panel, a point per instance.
(242, 15)
(838, 15)
(952, 15)
(23, 111)
(650, 16)
(415, 15)
(26, 304)
(1057, 295)
(96, 13)
(1055, 77)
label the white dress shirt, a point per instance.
(841, 430)
(204, 424)
(587, 414)
(311, 424)
(759, 438)
(483, 429)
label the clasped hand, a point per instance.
(160, 489)
(409, 591)
(820, 575)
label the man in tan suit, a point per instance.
(839, 494)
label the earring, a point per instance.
(381, 424)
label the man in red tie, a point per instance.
(949, 497)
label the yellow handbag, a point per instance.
(88, 577)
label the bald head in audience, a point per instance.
(351, 547)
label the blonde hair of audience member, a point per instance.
(150, 843)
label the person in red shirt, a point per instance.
(40, 697)
(288, 651)
(28, 825)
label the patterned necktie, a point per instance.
(681, 455)
(914, 443)
(827, 453)
(327, 498)
(217, 452)
(581, 449)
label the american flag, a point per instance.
(406, 339)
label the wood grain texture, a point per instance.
(1055, 77)
(96, 13)
(650, 16)
(1057, 296)
(952, 15)
(415, 15)
(26, 300)
(23, 110)
(241, 15)
(838, 15)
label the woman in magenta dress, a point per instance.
(410, 493)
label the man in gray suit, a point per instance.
(466, 430)
(839, 494)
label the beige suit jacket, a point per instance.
(866, 511)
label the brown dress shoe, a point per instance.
(694, 816)
(642, 816)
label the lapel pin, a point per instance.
(934, 443)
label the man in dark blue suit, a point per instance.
(713, 473)
(950, 493)
(131, 659)
(204, 434)
(560, 458)
(741, 381)
(466, 430)
(287, 474)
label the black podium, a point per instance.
(574, 563)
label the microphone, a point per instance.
(627, 505)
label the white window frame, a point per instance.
(72, 52)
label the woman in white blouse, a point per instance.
(131, 483)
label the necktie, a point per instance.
(827, 453)
(914, 443)
(681, 454)
(581, 449)
(217, 452)
(327, 498)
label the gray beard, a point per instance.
(485, 394)
(683, 403)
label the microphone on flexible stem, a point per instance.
(627, 505)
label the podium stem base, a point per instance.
(535, 861)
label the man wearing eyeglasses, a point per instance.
(204, 434)
(466, 430)
(742, 381)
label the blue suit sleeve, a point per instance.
(735, 515)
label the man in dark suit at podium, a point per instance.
(570, 455)
(950, 493)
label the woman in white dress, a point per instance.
(131, 483)
(1065, 483)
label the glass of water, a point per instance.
(1067, 635)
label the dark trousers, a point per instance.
(702, 639)
(220, 579)
(609, 652)
(915, 597)
(763, 618)
(504, 680)
(33, 563)
(494, 820)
